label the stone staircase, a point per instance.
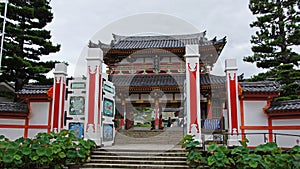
(133, 158)
(168, 136)
(142, 149)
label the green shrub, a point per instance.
(53, 150)
(265, 156)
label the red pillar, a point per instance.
(93, 95)
(232, 102)
(192, 57)
(59, 89)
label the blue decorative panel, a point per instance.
(108, 132)
(108, 107)
(77, 128)
(77, 105)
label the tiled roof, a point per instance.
(206, 79)
(34, 89)
(13, 107)
(289, 105)
(163, 80)
(261, 86)
(162, 41)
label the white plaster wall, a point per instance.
(149, 60)
(253, 113)
(165, 59)
(139, 60)
(179, 96)
(12, 134)
(286, 122)
(168, 97)
(286, 141)
(12, 121)
(257, 139)
(134, 97)
(145, 97)
(39, 114)
(176, 59)
(34, 132)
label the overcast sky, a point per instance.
(78, 21)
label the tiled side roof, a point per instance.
(289, 105)
(34, 89)
(163, 41)
(163, 80)
(262, 86)
(212, 79)
(13, 107)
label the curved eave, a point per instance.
(259, 95)
(34, 96)
(209, 53)
(108, 50)
(11, 114)
(287, 114)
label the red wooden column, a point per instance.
(193, 91)
(93, 93)
(59, 89)
(156, 94)
(123, 120)
(123, 96)
(209, 108)
(232, 102)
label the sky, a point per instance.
(77, 21)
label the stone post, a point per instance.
(193, 91)
(93, 93)
(59, 90)
(232, 102)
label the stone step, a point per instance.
(167, 137)
(147, 161)
(148, 157)
(139, 152)
(122, 149)
(142, 148)
(144, 166)
(178, 158)
(172, 154)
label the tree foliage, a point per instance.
(277, 35)
(26, 40)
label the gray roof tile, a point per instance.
(163, 80)
(34, 89)
(13, 107)
(162, 41)
(288, 105)
(261, 86)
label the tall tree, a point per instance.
(26, 40)
(277, 35)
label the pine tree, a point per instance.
(277, 35)
(26, 41)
